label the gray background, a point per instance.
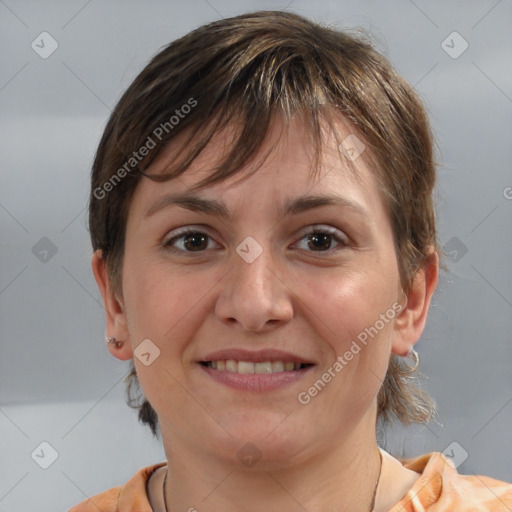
(57, 381)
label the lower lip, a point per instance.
(258, 382)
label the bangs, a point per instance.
(245, 114)
(244, 132)
(241, 87)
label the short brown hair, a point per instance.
(243, 71)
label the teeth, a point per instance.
(247, 367)
(277, 366)
(244, 367)
(265, 367)
(231, 366)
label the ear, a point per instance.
(114, 309)
(409, 324)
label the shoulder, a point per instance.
(440, 485)
(106, 502)
(130, 497)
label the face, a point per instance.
(264, 278)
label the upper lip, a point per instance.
(254, 356)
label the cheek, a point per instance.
(161, 306)
(157, 299)
(354, 315)
(168, 307)
(348, 304)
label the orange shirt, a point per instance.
(439, 489)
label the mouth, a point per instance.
(255, 371)
(249, 367)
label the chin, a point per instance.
(263, 445)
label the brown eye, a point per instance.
(322, 239)
(195, 241)
(319, 241)
(188, 241)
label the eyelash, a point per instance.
(342, 241)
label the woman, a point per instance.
(262, 218)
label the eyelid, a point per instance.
(324, 228)
(191, 228)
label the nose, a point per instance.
(254, 296)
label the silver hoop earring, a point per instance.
(415, 360)
(113, 341)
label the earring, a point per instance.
(415, 358)
(113, 341)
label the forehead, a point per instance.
(283, 166)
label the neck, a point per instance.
(341, 477)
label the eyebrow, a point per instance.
(291, 206)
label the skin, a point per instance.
(297, 297)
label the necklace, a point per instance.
(372, 504)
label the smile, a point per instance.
(248, 367)
(257, 377)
